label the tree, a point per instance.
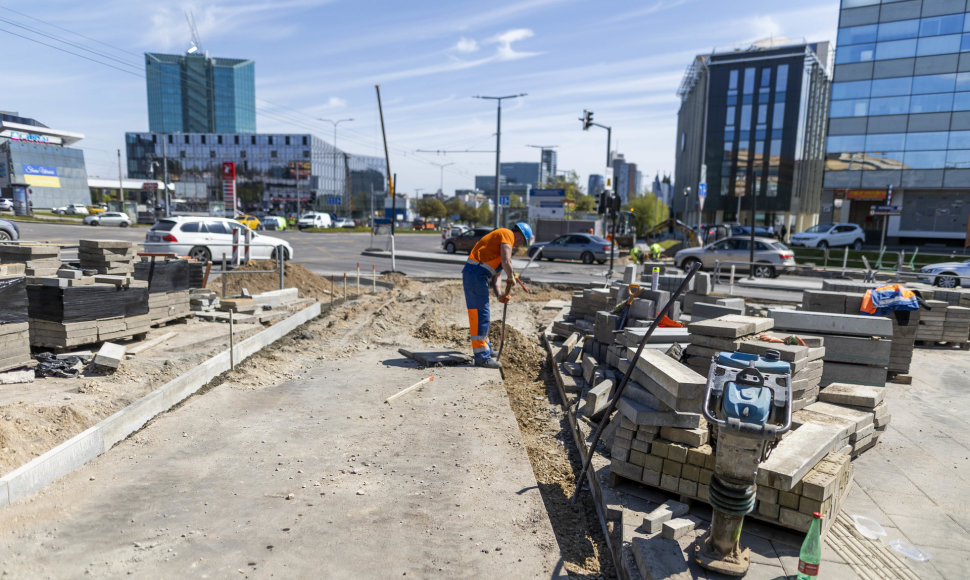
(468, 214)
(430, 207)
(570, 182)
(484, 215)
(648, 211)
(453, 207)
(585, 204)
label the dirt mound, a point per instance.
(435, 333)
(309, 284)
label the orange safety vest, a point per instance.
(888, 295)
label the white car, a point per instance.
(108, 218)
(6, 204)
(830, 235)
(208, 238)
(314, 219)
(73, 209)
(344, 223)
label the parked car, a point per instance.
(771, 256)
(465, 241)
(313, 219)
(203, 238)
(250, 221)
(585, 247)
(344, 223)
(108, 218)
(9, 231)
(830, 235)
(946, 274)
(272, 223)
(6, 204)
(73, 209)
(97, 208)
(742, 230)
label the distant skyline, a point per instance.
(320, 59)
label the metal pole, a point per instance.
(168, 197)
(373, 279)
(332, 290)
(345, 285)
(498, 155)
(224, 274)
(358, 279)
(279, 257)
(121, 185)
(882, 239)
(754, 213)
(232, 343)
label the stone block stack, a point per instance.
(721, 334)
(169, 283)
(111, 257)
(109, 308)
(868, 400)
(931, 321)
(789, 494)
(858, 347)
(956, 326)
(14, 338)
(38, 259)
(203, 300)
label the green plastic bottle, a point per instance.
(810, 555)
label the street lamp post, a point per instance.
(441, 166)
(335, 123)
(498, 145)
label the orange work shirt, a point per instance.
(488, 250)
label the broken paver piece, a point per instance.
(679, 527)
(653, 521)
(110, 355)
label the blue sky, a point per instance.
(321, 59)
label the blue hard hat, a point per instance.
(526, 230)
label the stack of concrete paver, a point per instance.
(38, 259)
(113, 257)
(858, 348)
(203, 300)
(931, 321)
(707, 307)
(14, 343)
(108, 308)
(863, 399)
(721, 334)
(168, 288)
(956, 327)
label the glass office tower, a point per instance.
(752, 125)
(900, 119)
(196, 93)
(273, 171)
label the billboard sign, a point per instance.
(229, 186)
(40, 175)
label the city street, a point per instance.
(339, 253)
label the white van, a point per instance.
(313, 219)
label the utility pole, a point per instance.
(168, 197)
(391, 180)
(498, 146)
(441, 166)
(336, 191)
(587, 120)
(121, 184)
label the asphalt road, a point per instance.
(339, 253)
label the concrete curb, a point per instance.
(82, 448)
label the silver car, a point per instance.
(946, 274)
(585, 247)
(108, 218)
(771, 257)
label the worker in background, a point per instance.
(488, 259)
(655, 251)
(636, 254)
(591, 231)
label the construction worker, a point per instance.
(656, 250)
(488, 259)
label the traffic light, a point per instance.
(587, 119)
(601, 206)
(615, 204)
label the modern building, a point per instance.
(278, 172)
(751, 127)
(196, 93)
(547, 166)
(900, 120)
(625, 177)
(38, 167)
(596, 184)
(662, 188)
(522, 173)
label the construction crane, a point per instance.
(196, 40)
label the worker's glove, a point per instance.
(504, 299)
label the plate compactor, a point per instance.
(749, 400)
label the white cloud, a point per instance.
(336, 102)
(466, 45)
(505, 40)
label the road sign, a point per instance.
(503, 200)
(886, 208)
(334, 200)
(702, 190)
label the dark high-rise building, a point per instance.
(547, 167)
(595, 184)
(625, 178)
(196, 93)
(752, 123)
(900, 119)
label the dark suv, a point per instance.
(9, 230)
(466, 241)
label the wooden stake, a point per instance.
(409, 389)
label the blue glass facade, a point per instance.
(36, 156)
(900, 117)
(272, 170)
(196, 93)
